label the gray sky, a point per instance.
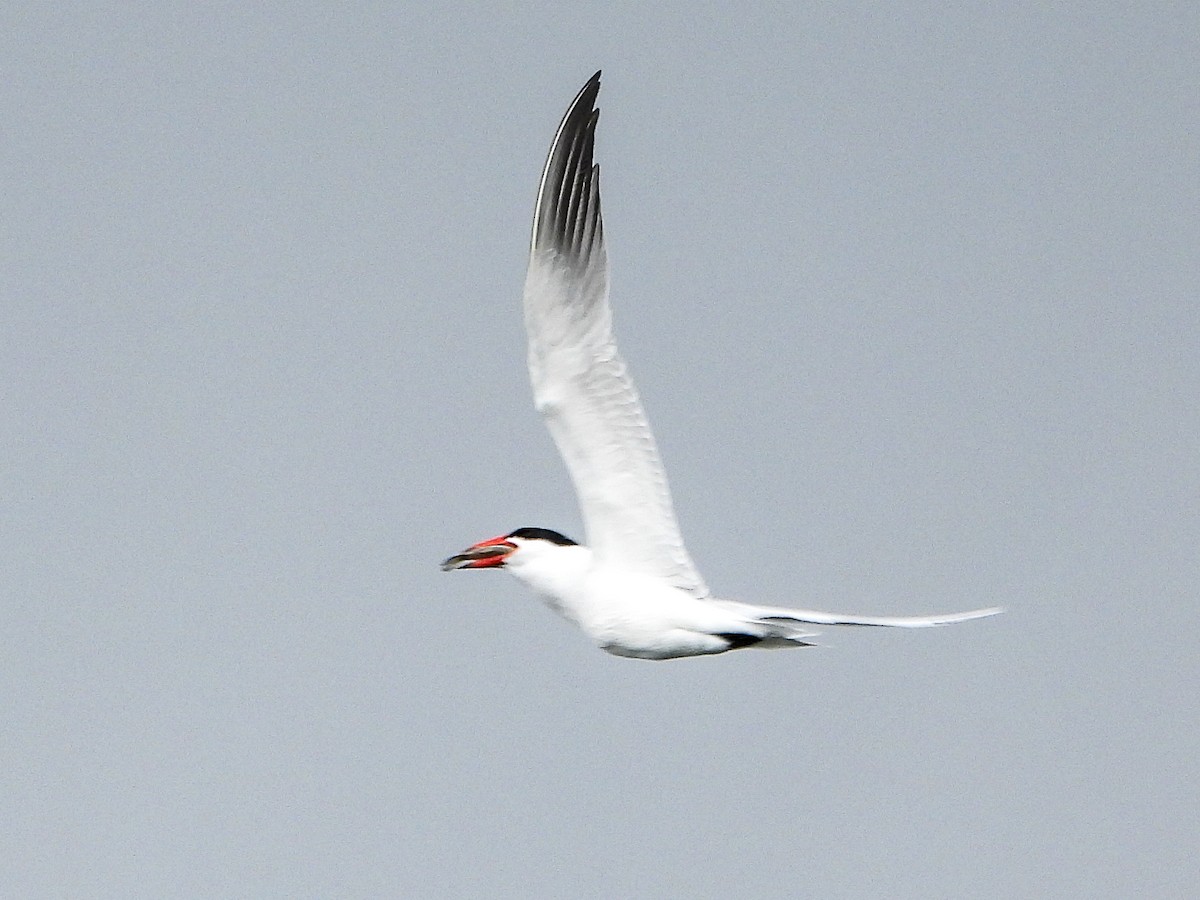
(911, 296)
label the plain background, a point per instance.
(910, 291)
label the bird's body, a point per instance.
(628, 613)
(634, 590)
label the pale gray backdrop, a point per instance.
(911, 294)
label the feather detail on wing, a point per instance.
(580, 383)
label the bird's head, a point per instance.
(500, 551)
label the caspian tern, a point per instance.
(634, 590)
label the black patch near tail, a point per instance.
(738, 641)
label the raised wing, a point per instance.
(580, 383)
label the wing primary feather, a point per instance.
(566, 218)
(593, 224)
(579, 228)
(579, 161)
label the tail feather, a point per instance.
(780, 642)
(783, 632)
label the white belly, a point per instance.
(625, 613)
(640, 617)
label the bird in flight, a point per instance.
(634, 589)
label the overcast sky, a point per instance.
(911, 294)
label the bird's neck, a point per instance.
(556, 574)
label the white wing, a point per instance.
(580, 383)
(816, 617)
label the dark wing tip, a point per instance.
(567, 218)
